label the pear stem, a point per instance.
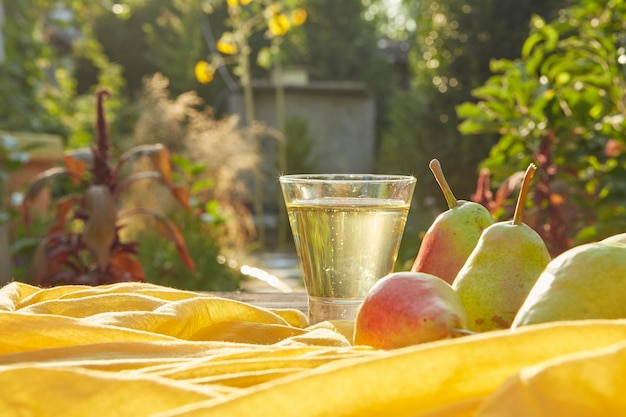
(435, 167)
(518, 216)
(462, 332)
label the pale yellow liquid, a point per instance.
(345, 245)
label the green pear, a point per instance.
(502, 268)
(619, 238)
(453, 235)
(585, 282)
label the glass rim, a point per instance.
(337, 178)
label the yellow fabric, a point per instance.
(144, 350)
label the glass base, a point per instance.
(321, 309)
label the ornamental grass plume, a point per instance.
(191, 129)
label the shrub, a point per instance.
(563, 105)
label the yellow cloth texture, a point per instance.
(138, 349)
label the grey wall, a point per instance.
(341, 120)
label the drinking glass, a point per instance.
(347, 230)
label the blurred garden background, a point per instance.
(240, 92)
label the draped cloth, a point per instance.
(138, 349)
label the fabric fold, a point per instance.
(137, 349)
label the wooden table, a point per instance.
(296, 300)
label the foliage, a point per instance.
(338, 43)
(22, 71)
(212, 272)
(83, 246)
(301, 157)
(23, 243)
(563, 104)
(452, 47)
(146, 37)
(12, 157)
(202, 229)
(44, 40)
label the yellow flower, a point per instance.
(204, 72)
(235, 3)
(298, 17)
(278, 24)
(226, 44)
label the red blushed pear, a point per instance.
(409, 308)
(502, 269)
(453, 235)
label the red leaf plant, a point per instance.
(93, 254)
(552, 212)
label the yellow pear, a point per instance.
(499, 273)
(584, 282)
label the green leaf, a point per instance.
(181, 162)
(537, 22)
(562, 78)
(532, 41)
(534, 60)
(169, 230)
(552, 37)
(491, 90)
(596, 111)
(500, 65)
(202, 185)
(470, 127)
(468, 110)
(212, 206)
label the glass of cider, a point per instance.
(347, 230)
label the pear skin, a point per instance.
(584, 282)
(453, 235)
(502, 269)
(409, 308)
(619, 238)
